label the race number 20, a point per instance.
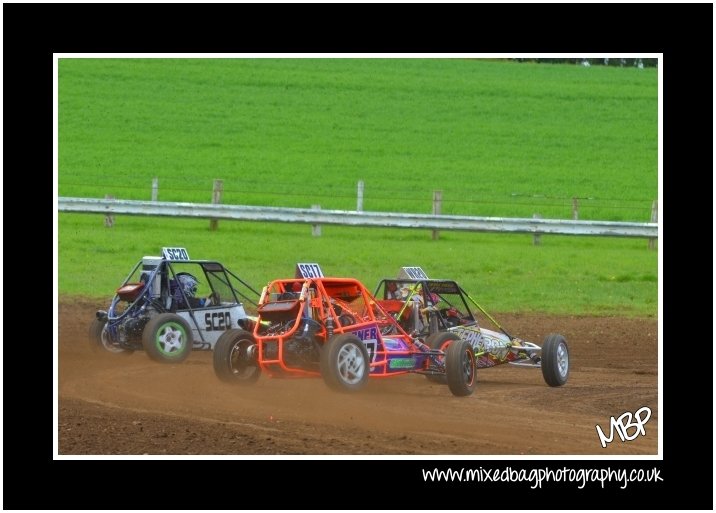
(175, 254)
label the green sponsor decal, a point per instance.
(402, 363)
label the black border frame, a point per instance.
(32, 33)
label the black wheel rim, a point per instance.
(241, 363)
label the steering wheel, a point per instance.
(387, 330)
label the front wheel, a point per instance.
(345, 364)
(440, 341)
(167, 338)
(460, 368)
(235, 358)
(555, 360)
(99, 339)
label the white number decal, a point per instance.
(369, 336)
(370, 345)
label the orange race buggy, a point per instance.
(332, 328)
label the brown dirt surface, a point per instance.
(130, 405)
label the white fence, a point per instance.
(355, 218)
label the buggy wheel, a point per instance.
(460, 368)
(235, 358)
(345, 364)
(99, 339)
(555, 360)
(167, 338)
(440, 341)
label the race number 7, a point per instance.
(371, 345)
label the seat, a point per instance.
(130, 291)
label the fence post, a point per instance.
(359, 206)
(654, 219)
(437, 209)
(216, 199)
(155, 189)
(536, 237)
(575, 208)
(316, 228)
(108, 219)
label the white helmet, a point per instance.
(188, 283)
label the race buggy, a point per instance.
(334, 328)
(157, 308)
(438, 311)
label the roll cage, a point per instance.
(147, 286)
(425, 306)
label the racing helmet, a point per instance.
(188, 284)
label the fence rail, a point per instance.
(356, 218)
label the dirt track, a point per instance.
(130, 405)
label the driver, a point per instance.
(188, 284)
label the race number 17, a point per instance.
(308, 271)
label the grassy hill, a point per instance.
(498, 138)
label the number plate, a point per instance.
(412, 273)
(308, 271)
(175, 254)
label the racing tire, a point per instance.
(99, 340)
(345, 364)
(440, 341)
(167, 338)
(555, 360)
(233, 362)
(460, 368)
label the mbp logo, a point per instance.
(622, 425)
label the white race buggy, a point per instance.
(157, 308)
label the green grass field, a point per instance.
(498, 138)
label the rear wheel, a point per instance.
(167, 338)
(235, 358)
(555, 360)
(99, 339)
(460, 368)
(440, 341)
(345, 364)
